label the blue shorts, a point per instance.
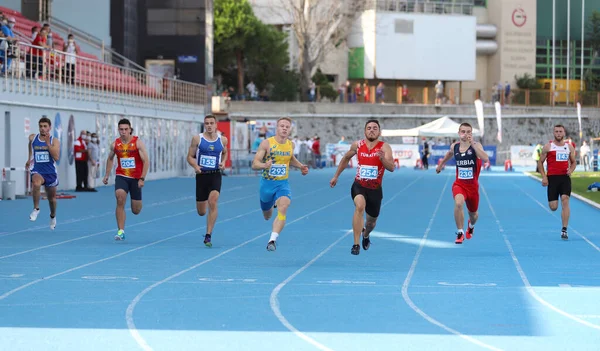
(271, 190)
(50, 180)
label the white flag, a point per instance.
(479, 112)
(499, 120)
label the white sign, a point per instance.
(522, 155)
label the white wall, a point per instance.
(96, 18)
(165, 139)
(440, 47)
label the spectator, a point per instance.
(312, 92)
(35, 30)
(81, 164)
(35, 64)
(93, 161)
(316, 149)
(439, 92)
(367, 92)
(70, 48)
(342, 140)
(252, 90)
(9, 39)
(585, 155)
(379, 97)
(506, 93)
(349, 94)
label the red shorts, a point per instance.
(470, 193)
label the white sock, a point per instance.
(471, 225)
(459, 231)
(274, 236)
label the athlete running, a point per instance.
(469, 155)
(207, 154)
(560, 157)
(274, 158)
(374, 157)
(44, 152)
(132, 167)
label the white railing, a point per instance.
(448, 7)
(38, 71)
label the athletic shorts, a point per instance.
(271, 190)
(470, 193)
(372, 197)
(206, 183)
(50, 180)
(130, 185)
(558, 185)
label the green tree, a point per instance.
(234, 25)
(326, 90)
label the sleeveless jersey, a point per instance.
(281, 155)
(558, 159)
(43, 163)
(208, 154)
(130, 163)
(369, 172)
(468, 166)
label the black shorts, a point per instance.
(558, 185)
(130, 185)
(373, 198)
(207, 182)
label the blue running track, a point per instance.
(515, 286)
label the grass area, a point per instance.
(580, 182)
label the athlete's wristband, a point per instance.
(142, 179)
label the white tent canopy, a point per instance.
(441, 127)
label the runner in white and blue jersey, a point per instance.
(44, 151)
(207, 155)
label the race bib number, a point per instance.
(128, 163)
(465, 173)
(208, 161)
(278, 170)
(368, 172)
(562, 156)
(42, 157)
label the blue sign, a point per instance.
(58, 132)
(438, 152)
(187, 59)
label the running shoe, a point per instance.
(459, 238)
(207, 241)
(564, 235)
(120, 235)
(271, 246)
(366, 241)
(34, 214)
(469, 233)
(52, 223)
(355, 249)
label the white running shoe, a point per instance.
(34, 214)
(52, 223)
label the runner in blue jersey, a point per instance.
(44, 151)
(207, 155)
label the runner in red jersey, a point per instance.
(132, 168)
(560, 157)
(374, 157)
(469, 155)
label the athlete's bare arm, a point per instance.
(572, 160)
(55, 149)
(191, 156)
(144, 156)
(446, 158)
(109, 163)
(257, 163)
(480, 152)
(541, 161)
(224, 152)
(388, 157)
(28, 163)
(344, 162)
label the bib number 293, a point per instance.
(277, 170)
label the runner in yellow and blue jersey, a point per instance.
(274, 157)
